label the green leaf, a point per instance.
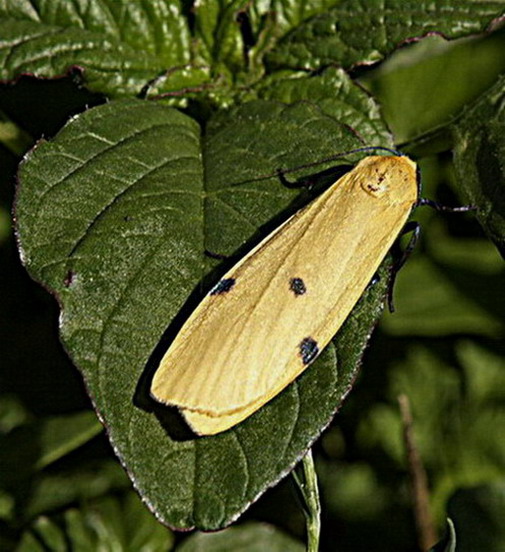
(358, 31)
(484, 372)
(290, 13)
(478, 159)
(60, 488)
(12, 413)
(106, 524)
(46, 535)
(114, 216)
(5, 225)
(217, 25)
(32, 447)
(6, 507)
(425, 85)
(59, 436)
(352, 491)
(448, 543)
(251, 537)
(335, 94)
(13, 137)
(433, 300)
(120, 45)
(478, 517)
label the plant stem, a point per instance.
(426, 533)
(307, 484)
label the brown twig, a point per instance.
(426, 533)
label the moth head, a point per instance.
(393, 177)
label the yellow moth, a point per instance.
(270, 316)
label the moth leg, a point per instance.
(216, 256)
(301, 183)
(320, 180)
(446, 208)
(413, 227)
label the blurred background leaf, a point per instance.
(249, 537)
(478, 513)
(109, 523)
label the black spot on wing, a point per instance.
(308, 350)
(297, 286)
(223, 286)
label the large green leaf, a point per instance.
(365, 31)
(119, 45)
(335, 94)
(114, 217)
(479, 155)
(423, 87)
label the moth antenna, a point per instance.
(320, 162)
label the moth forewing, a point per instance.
(270, 316)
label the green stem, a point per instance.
(307, 483)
